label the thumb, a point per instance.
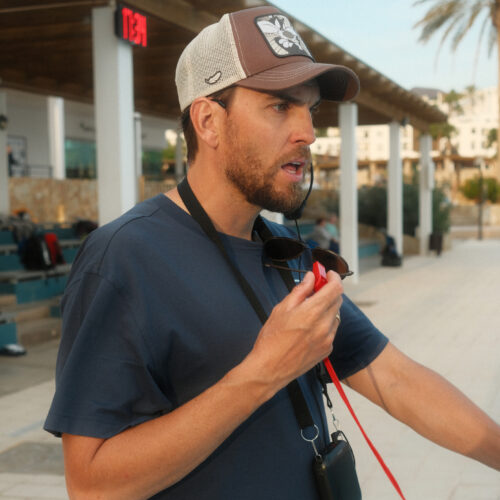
(303, 290)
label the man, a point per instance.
(168, 384)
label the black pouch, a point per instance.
(335, 471)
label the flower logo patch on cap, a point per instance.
(281, 36)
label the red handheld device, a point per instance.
(319, 276)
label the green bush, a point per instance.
(471, 189)
(372, 208)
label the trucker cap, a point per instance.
(259, 49)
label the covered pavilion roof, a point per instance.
(47, 49)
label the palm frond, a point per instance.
(455, 18)
(475, 10)
(482, 31)
(492, 39)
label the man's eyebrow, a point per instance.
(291, 99)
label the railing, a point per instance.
(40, 171)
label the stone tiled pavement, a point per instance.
(442, 311)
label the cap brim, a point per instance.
(336, 83)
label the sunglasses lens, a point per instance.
(283, 248)
(331, 261)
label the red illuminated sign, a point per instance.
(131, 26)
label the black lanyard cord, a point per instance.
(198, 213)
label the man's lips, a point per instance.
(294, 168)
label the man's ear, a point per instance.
(204, 119)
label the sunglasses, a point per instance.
(281, 249)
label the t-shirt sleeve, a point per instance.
(357, 342)
(105, 379)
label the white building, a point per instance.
(480, 115)
(477, 114)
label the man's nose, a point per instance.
(303, 131)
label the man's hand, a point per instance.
(298, 334)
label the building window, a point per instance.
(80, 159)
(153, 165)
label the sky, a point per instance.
(380, 33)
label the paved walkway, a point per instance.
(443, 311)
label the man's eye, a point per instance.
(314, 110)
(281, 106)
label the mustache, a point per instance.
(299, 152)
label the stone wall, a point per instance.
(468, 215)
(51, 200)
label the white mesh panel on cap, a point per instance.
(209, 63)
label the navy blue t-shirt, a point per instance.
(153, 316)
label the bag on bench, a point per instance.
(35, 254)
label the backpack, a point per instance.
(56, 255)
(35, 254)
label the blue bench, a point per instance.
(28, 286)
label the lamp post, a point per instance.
(480, 163)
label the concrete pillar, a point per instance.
(4, 163)
(395, 188)
(348, 120)
(179, 157)
(55, 114)
(138, 153)
(114, 120)
(425, 192)
(372, 172)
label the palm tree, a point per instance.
(456, 17)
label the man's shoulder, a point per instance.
(134, 228)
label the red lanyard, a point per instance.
(320, 280)
(343, 395)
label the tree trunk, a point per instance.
(496, 22)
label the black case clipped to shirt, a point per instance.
(335, 471)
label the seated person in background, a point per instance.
(332, 226)
(322, 237)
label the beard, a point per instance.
(255, 179)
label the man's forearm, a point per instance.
(430, 405)
(443, 414)
(150, 457)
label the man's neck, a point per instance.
(229, 212)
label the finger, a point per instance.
(331, 290)
(300, 292)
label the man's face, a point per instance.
(265, 145)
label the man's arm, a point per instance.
(430, 405)
(152, 456)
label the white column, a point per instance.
(114, 110)
(4, 163)
(348, 120)
(425, 192)
(395, 188)
(55, 114)
(179, 157)
(138, 152)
